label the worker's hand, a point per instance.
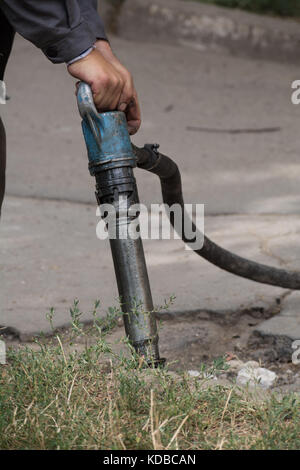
(111, 83)
(106, 82)
(129, 102)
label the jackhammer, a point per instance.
(112, 158)
(111, 161)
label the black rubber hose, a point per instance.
(148, 158)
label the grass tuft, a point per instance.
(57, 398)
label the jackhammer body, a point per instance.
(111, 162)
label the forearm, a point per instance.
(62, 29)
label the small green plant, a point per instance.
(219, 366)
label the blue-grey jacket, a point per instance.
(63, 29)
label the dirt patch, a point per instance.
(187, 343)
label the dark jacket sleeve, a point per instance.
(89, 12)
(63, 29)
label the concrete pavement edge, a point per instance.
(203, 27)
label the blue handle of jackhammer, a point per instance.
(88, 111)
(106, 134)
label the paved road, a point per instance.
(50, 254)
